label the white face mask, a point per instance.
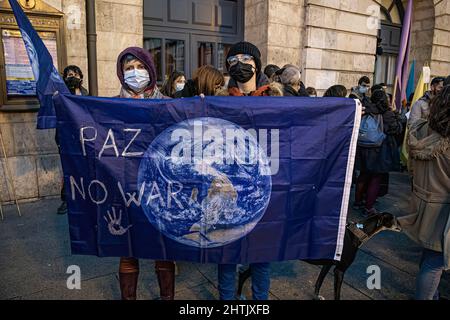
(179, 87)
(137, 79)
(363, 90)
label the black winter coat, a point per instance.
(386, 157)
(189, 90)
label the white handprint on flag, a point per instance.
(115, 223)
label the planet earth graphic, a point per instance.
(207, 182)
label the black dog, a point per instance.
(356, 234)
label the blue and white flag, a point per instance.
(219, 179)
(48, 80)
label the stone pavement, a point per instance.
(35, 254)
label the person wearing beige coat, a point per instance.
(429, 221)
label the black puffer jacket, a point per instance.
(386, 157)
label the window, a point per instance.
(169, 55)
(213, 53)
(391, 13)
(222, 51)
(385, 70)
(154, 45)
(205, 53)
(174, 60)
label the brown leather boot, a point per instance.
(128, 277)
(165, 270)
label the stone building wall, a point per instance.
(119, 25)
(422, 31)
(32, 156)
(317, 35)
(334, 41)
(430, 36)
(340, 43)
(277, 28)
(440, 54)
(256, 25)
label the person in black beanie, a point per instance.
(244, 66)
(246, 78)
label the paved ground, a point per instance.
(35, 254)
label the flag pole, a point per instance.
(393, 106)
(8, 174)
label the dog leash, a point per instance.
(360, 234)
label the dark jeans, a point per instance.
(260, 281)
(431, 269)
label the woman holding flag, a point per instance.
(136, 72)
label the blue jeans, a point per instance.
(260, 281)
(431, 268)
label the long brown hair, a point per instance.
(439, 118)
(207, 79)
(167, 89)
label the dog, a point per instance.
(356, 234)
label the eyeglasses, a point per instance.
(244, 58)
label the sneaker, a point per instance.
(62, 208)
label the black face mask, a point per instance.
(73, 83)
(242, 72)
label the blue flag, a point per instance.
(410, 85)
(48, 80)
(212, 180)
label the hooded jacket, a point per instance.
(429, 221)
(144, 56)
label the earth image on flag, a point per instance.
(207, 182)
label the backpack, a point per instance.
(371, 131)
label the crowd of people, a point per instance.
(428, 141)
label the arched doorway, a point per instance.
(391, 16)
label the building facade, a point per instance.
(333, 41)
